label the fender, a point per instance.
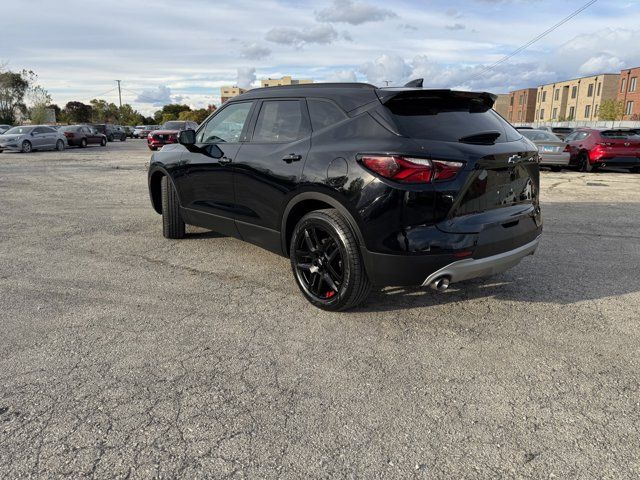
(153, 169)
(323, 197)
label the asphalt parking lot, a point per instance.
(123, 354)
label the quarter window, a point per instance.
(227, 125)
(279, 121)
(324, 114)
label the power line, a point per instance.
(533, 40)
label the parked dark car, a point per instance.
(112, 132)
(83, 135)
(591, 149)
(168, 133)
(128, 130)
(358, 185)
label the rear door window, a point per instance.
(448, 118)
(280, 121)
(324, 114)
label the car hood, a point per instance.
(6, 138)
(165, 132)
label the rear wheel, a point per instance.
(83, 143)
(59, 145)
(172, 224)
(326, 261)
(27, 147)
(103, 142)
(585, 165)
(110, 138)
(123, 138)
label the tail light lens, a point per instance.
(411, 170)
(68, 134)
(597, 152)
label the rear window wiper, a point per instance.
(482, 138)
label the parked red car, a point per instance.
(591, 149)
(168, 133)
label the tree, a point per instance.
(197, 116)
(13, 88)
(77, 112)
(40, 100)
(170, 112)
(611, 110)
(103, 112)
(128, 116)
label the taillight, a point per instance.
(409, 169)
(68, 134)
(597, 152)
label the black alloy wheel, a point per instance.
(585, 165)
(326, 261)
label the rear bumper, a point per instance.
(561, 159)
(482, 267)
(625, 162)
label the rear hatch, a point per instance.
(620, 143)
(496, 193)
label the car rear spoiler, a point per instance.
(414, 89)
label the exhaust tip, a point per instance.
(440, 284)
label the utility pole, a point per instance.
(119, 93)
(386, 82)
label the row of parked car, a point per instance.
(587, 149)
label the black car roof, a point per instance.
(347, 96)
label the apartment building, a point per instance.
(286, 80)
(501, 105)
(228, 92)
(629, 93)
(577, 99)
(522, 105)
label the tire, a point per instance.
(123, 138)
(103, 142)
(110, 138)
(172, 224)
(83, 143)
(555, 168)
(326, 262)
(585, 165)
(60, 146)
(27, 147)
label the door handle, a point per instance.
(224, 160)
(292, 157)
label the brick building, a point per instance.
(501, 105)
(629, 93)
(522, 106)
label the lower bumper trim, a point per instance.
(482, 267)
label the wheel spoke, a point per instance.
(314, 237)
(316, 282)
(333, 272)
(304, 266)
(303, 253)
(333, 254)
(329, 281)
(307, 239)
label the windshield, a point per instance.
(540, 136)
(18, 131)
(449, 119)
(173, 126)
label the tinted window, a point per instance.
(40, 130)
(279, 121)
(173, 126)
(619, 133)
(324, 114)
(18, 130)
(580, 136)
(448, 118)
(540, 136)
(226, 125)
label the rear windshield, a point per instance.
(540, 136)
(619, 133)
(448, 118)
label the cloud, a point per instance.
(161, 95)
(601, 64)
(322, 34)
(407, 26)
(455, 26)
(342, 76)
(246, 76)
(354, 13)
(386, 68)
(255, 51)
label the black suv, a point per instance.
(112, 132)
(359, 186)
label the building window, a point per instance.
(629, 108)
(574, 91)
(556, 95)
(590, 90)
(554, 113)
(511, 100)
(544, 96)
(587, 111)
(598, 92)
(519, 115)
(541, 113)
(572, 112)
(632, 84)
(623, 85)
(595, 111)
(537, 113)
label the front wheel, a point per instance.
(27, 147)
(123, 138)
(326, 261)
(103, 142)
(172, 224)
(83, 143)
(110, 138)
(60, 145)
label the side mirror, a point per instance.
(187, 137)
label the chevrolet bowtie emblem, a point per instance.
(513, 159)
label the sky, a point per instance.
(182, 52)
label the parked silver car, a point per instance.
(32, 137)
(553, 152)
